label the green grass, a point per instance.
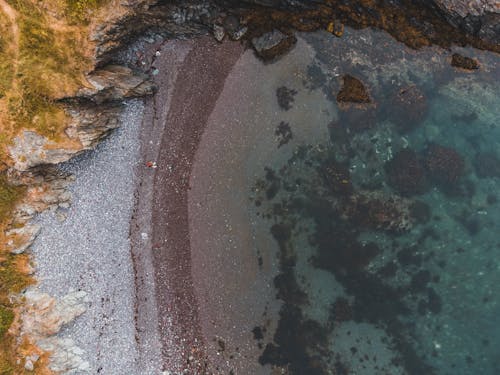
(11, 280)
(50, 65)
(80, 10)
(6, 67)
(6, 319)
(9, 196)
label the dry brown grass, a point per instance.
(44, 55)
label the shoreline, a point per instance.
(199, 80)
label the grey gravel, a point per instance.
(90, 251)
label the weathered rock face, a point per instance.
(43, 317)
(131, 19)
(479, 17)
(115, 83)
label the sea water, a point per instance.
(389, 255)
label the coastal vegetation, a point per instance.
(44, 54)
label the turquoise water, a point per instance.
(388, 231)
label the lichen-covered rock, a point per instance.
(44, 315)
(19, 239)
(65, 356)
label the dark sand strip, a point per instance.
(199, 82)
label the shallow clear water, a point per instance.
(389, 259)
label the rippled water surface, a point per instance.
(389, 255)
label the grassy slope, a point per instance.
(44, 53)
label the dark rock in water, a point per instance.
(487, 164)
(459, 61)
(491, 199)
(294, 340)
(374, 211)
(284, 133)
(405, 173)
(285, 97)
(444, 165)
(342, 310)
(420, 211)
(434, 301)
(407, 108)
(258, 333)
(470, 221)
(420, 280)
(272, 45)
(337, 178)
(358, 119)
(409, 256)
(352, 91)
(233, 27)
(231, 24)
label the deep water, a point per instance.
(388, 231)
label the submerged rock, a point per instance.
(352, 91)
(285, 97)
(467, 63)
(407, 108)
(359, 119)
(405, 173)
(444, 164)
(376, 211)
(487, 165)
(272, 45)
(337, 178)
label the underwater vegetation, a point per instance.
(388, 239)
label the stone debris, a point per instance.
(272, 45)
(219, 33)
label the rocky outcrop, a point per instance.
(43, 317)
(115, 83)
(130, 20)
(94, 113)
(479, 17)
